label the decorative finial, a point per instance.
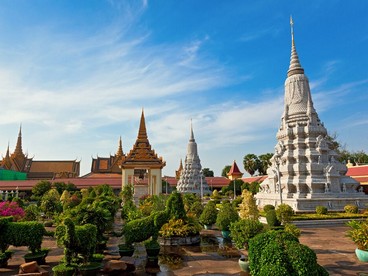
(295, 67)
(191, 139)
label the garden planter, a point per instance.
(180, 240)
(63, 270)
(40, 258)
(225, 234)
(125, 250)
(362, 255)
(244, 264)
(89, 269)
(4, 262)
(152, 252)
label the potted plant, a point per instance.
(152, 248)
(38, 256)
(243, 230)
(209, 215)
(225, 217)
(126, 249)
(359, 235)
(244, 263)
(4, 257)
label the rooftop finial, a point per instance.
(191, 131)
(295, 67)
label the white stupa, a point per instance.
(304, 162)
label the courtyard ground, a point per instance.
(335, 252)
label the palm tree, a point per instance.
(264, 163)
(251, 163)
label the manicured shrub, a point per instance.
(351, 209)
(22, 234)
(237, 201)
(32, 212)
(321, 210)
(226, 216)
(271, 218)
(280, 253)
(175, 206)
(292, 229)
(243, 230)
(180, 228)
(248, 208)
(284, 213)
(209, 214)
(268, 207)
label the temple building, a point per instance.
(305, 172)
(142, 167)
(35, 169)
(191, 177)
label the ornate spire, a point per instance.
(191, 139)
(18, 148)
(6, 160)
(142, 133)
(295, 67)
(120, 148)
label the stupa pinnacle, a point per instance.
(305, 164)
(191, 177)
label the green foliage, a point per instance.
(207, 172)
(151, 244)
(76, 240)
(321, 210)
(61, 187)
(248, 208)
(128, 210)
(351, 209)
(243, 230)
(209, 214)
(40, 189)
(152, 204)
(127, 193)
(284, 213)
(226, 216)
(358, 233)
(180, 228)
(292, 229)
(264, 163)
(21, 234)
(189, 200)
(50, 203)
(63, 270)
(268, 207)
(272, 219)
(251, 163)
(237, 201)
(225, 170)
(175, 206)
(238, 186)
(280, 253)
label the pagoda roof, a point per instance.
(142, 155)
(234, 171)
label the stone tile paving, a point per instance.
(334, 251)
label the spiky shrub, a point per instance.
(209, 214)
(248, 209)
(321, 210)
(175, 206)
(351, 209)
(284, 213)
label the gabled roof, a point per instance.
(234, 171)
(358, 171)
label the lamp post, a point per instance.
(166, 184)
(234, 189)
(201, 184)
(277, 161)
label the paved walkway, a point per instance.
(335, 252)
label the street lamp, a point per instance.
(234, 189)
(201, 185)
(166, 184)
(277, 161)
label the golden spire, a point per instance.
(295, 67)
(142, 133)
(6, 160)
(18, 148)
(120, 148)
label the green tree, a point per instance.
(225, 170)
(207, 172)
(264, 163)
(50, 203)
(238, 186)
(251, 163)
(40, 189)
(248, 209)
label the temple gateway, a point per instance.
(304, 171)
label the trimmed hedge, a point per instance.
(28, 233)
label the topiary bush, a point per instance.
(271, 218)
(280, 253)
(175, 206)
(292, 229)
(351, 209)
(243, 230)
(268, 207)
(209, 214)
(321, 210)
(284, 213)
(226, 216)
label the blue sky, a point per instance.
(76, 74)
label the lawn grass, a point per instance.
(336, 215)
